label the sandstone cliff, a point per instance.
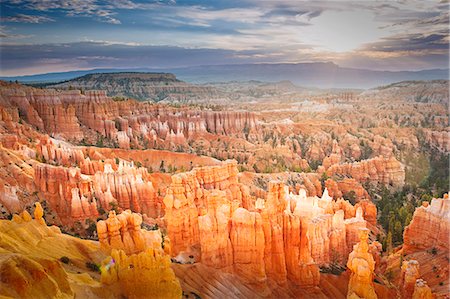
(429, 227)
(212, 219)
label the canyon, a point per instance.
(204, 201)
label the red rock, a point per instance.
(429, 227)
(409, 275)
(369, 211)
(301, 268)
(362, 266)
(123, 232)
(215, 242)
(247, 238)
(345, 186)
(422, 290)
(376, 170)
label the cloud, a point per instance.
(104, 11)
(5, 34)
(410, 42)
(22, 18)
(70, 7)
(18, 59)
(354, 33)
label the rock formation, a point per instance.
(438, 139)
(409, 275)
(214, 231)
(247, 239)
(143, 275)
(429, 227)
(377, 170)
(264, 232)
(212, 219)
(123, 232)
(29, 260)
(422, 290)
(362, 266)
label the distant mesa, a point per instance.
(315, 74)
(137, 85)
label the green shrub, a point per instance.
(93, 267)
(64, 259)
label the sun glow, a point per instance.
(343, 31)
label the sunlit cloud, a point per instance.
(370, 34)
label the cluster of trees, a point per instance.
(396, 208)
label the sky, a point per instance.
(41, 36)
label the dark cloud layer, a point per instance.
(103, 54)
(43, 35)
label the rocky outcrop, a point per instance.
(187, 195)
(409, 275)
(300, 266)
(362, 266)
(140, 262)
(369, 210)
(429, 227)
(247, 239)
(143, 275)
(75, 195)
(69, 193)
(30, 264)
(38, 261)
(422, 290)
(348, 187)
(123, 232)
(212, 219)
(438, 139)
(142, 86)
(54, 151)
(215, 242)
(381, 170)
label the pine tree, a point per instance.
(389, 243)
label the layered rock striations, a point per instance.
(29, 260)
(121, 123)
(77, 194)
(212, 219)
(123, 232)
(142, 86)
(381, 170)
(38, 261)
(138, 265)
(429, 227)
(422, 290)
(143, 275)
(362, 266)
(409, 274)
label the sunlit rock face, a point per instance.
(29, 258)
(362, 266)
(212, 219)
(126, 123)
(429, 227)
(409, 274)
(38, 261)
(123, 232)
(223, 232)
(143, 275)
(139, 262)
(382, 170)
(422, 290)
(77, 193)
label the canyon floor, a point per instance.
(224, 190)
